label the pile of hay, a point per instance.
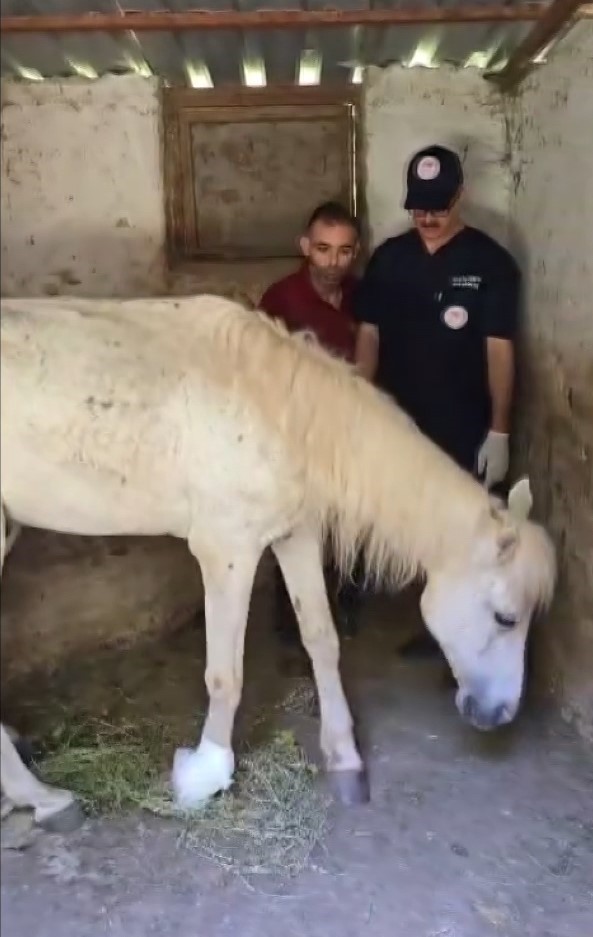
(268, 822)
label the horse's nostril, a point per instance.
(484, 718)
(500, 715)
(470, 707)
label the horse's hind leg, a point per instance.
(53, 809)
(300, 560)
(228, 580)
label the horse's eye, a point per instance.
(505, 621)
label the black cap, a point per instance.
(434, 177)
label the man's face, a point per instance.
(436, 225)
(331, 250)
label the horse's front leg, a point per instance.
(300, 559)
(199, 774)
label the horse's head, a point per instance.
(479, 608)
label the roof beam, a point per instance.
(164, 20)
(559, 15)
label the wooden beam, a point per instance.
(559, 15)
(163, 20)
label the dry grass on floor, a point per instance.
(268, 822)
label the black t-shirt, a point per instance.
(434, 313)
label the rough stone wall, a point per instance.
(551, 134)
(82, 191)
(406, 109)
(67, 595)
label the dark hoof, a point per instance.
(350, 788)
(67, 820)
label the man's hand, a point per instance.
(493, 458)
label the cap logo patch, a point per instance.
(455, 317)
(428, 168)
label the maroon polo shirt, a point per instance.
(296, 302)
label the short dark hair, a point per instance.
(334, 213)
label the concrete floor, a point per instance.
(466, 835)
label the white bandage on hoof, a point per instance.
(200, 773)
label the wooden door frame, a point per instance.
(183, 106)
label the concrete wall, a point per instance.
(82, 201)
(406, 109)
(82, 191)
(551, 129)
(69, 595)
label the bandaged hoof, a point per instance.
(350, 787)
(200, 773)
(66, 820)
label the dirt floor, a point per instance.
(466, 835)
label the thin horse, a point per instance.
(198, 418)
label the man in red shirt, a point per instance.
(319, 297)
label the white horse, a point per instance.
(198, 418)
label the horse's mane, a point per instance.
(371, 478)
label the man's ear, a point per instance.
(305, 245)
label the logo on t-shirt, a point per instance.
(455, 317)
(466, 282)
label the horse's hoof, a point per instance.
(67, 820)
(351, 787)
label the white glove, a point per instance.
(493, 458)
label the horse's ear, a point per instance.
(520, 500)
(506, 534)
(508, 538)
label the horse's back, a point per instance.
(90, 426)
(117, 416)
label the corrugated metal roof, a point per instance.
(251, 57)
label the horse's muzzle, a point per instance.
(483, 718)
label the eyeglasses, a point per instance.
(422, 213)
(444, 213)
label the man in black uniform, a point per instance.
(438, 308)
